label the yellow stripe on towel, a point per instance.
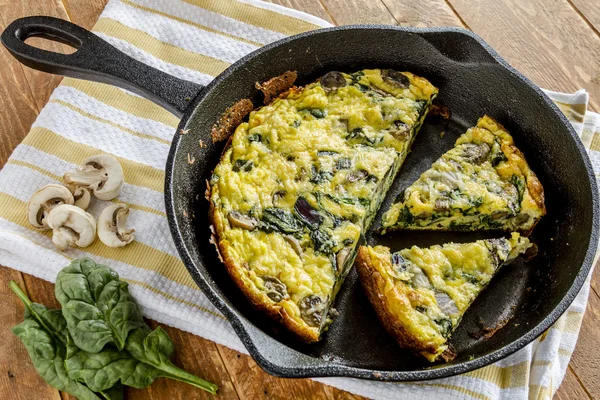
(137, 254)
(256, 16)
(108, 122)
(52, 143)
(162, 50)
(123, 101)
(188, 22)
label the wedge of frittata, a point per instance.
(300, 182)
(420, 295)
(483, 183)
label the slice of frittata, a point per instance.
(300, 182)
(482, 183)
(420, 295)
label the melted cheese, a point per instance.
(334, 150)
(428, 291)
(482, 183)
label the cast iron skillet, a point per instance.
(473, 81)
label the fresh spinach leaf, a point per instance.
(101, 371)
(146, 358)
(92, 295)
(114, 393)
(96, 305)
(155, 348)
(42, 333)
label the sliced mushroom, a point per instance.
(355, 176)
(400, 131)
(71, 226)
(239, 220)
(43, 201)
(395, 78)
(476, 153)
(446, 304)
(341, 257)
(81, 195)
(292, 241)
(332, 80)
(311, 309)
(111, 226)
(102, 174)
(276, 290)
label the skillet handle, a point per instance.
(95, 60)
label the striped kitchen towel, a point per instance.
(196, 40)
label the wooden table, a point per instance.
(556, 43)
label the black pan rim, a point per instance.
(238, 322)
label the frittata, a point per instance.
(482, 183)
(300, 182)
(420, 295)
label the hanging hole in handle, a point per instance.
(49, 38)
(51, 44)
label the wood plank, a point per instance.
(545, 39)
(253, 383)
(585, 361)
(17, 373)
(571, 388)
(41, 84)
(313, 7)
(589, 10)
(18, 106)
(596, 279)
(84, 12)
(345, 12)
(424, 13)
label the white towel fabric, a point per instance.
(195, 40)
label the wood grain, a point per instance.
(344, 12)
(585, 361)
(554, 42)
(313, 7)
(84, 13)
(589, 11)
(17, 373)
(16, 102)
(571, 388)
(41, 84)
(545, 39)
(423, 13)
(253, 383)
